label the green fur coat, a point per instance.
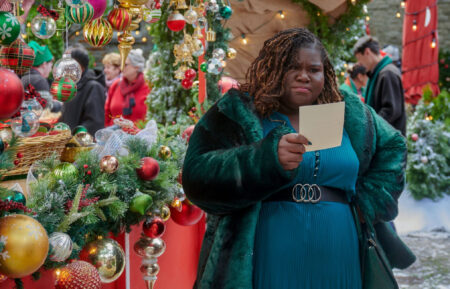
(230, 168)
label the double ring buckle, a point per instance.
(306, 193)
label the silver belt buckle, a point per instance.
(306, 193)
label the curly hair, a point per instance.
(266, 75)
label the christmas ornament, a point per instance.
(201, 22)
(78, 275)
(151, 15)
(190, 74)
(414, 136)
(150, 249)
(65, 171)
(189, 214)
(60, 246)
(149, 169)
(215, 66)
(225, 12)
(181, 4)
(25, 125)
(190, 16)
(176, 21)
(107, 257)
(75, 3)
(25, 245)
(126, 41)
(31, 105)
(18, 57)
(198, 48)
(60, 126)
(164, 152)
(204, 67)
(67, 67)
(154, 227)
(3, 278)
(9, 28)
(210, 35)
(164, 213)
(179, 73)
(5, 133)
(98, 32)
(80, 15)
(218, 53)
(43, 27)
(141, 203)
(231, 53)
(176, 204)
(17, 197)
(84, 138)
(424, 160)
(187, 83)
(11, 95)
(109, 164)
(212, 6)
(63, 89)
(99, 7)
(119, 18)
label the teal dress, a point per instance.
(304, 245)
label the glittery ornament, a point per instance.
(9, 28)
(109, 164)
(225, 12)
(218, 53)
(190, 16)
(63, 89)
(5, 135)
(17, 197)
(31, 105)
(119, 18)
(78, 275)
(154, 227)
(25, 125)
(156, 15)
(98, 32)
(84, 138)
(164, 213)
(190, 74)
(231, 53)
(60, 126)
(18, 57)
(43, 27)
(187, 83)
(67, 67)
(215, 66)
(210, 35)
(176, 21)
(199, 49)
(164, 151)
(201, 22)
(60, 246)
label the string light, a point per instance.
(403, 4)
(28, 24)
(353, 2)
(24, 36)
(244, 39)
(77, 33)
(148, 28)
(144, 39)
(318, 13)
(367, 18)
(398, 15)
(281, 14)
(433, 41)
(137, 32)
(414, 26)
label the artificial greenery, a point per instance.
(7, 156)
(444, 70)
(428, 167)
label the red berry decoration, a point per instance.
(190, 74)
(16, 162)
(19, 155)
(414, 136)
(149, 169)
(78, 275)
(176, 21)
(186, 83)
(188, 216)
(154, 227)
(85, 166)
(89, 172)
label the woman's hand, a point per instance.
(291, 148)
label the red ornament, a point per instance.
(11, 93)
(188, 216)
(414, 136)
(176, 21)
(180, 178)
(190, 74)
(78, 275)
(186, 83)
(18, 57)
(149, 169)
(19, 155)
(187, 133)
(157, 5)
(119, 18)
(154, 227)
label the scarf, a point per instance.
(108, 83)
(373, 78)
(127, 90)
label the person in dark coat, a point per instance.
(87, 107)
(384, 90)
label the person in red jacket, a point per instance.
(127, 95)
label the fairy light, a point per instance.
(244, 39)
(367, 18)
(398, 15)
(433, 41)
(414, 26)
(353, 2)
(148, 28)
(77, 33)
(28, 24)
(24, 36)
(403, 4)
(281, 14)
(144, 39)
(137, 32)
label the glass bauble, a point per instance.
(199, 48)
(43, 27)
(214, 66)
(67, 67)
(98, 32)
(218, 53)
(75, 3)
(201, 22)
(190, 16)
(60, 246)
(31, 105)
(25, 125)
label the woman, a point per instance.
(356, 81)
(245, 157)
(111, 68)
(127, 95)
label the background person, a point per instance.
(356, 81)
(111, 69)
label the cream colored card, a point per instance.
(322, 125)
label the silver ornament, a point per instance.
(218, 53)
(67, 67)
(43, 27)
(190, 16)
(199, 48)
(214, 66)
(60, 246)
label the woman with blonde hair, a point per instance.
(111, 68)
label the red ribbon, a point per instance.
(47, 12)
(31, 93)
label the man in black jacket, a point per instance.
(87, 107)
(384, 90)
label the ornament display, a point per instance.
(190, 16)
(190, 74)
(17, 197)
(176, 21)
(218, 53)
(78, 275)
(231, 53)
(99, 7)
(187, 83)
(225, 12)
(119, 18)
(18, 57)
(80, 15)
(63, 89)
(43, 27)
(149, 169)
(25, 125)
(98, 32)
(60, 246)
(75, 3)
(415, 137)
(9, 28)
(67, 67)
(214, 66)
(141, 203)
(31, 105)
(65, 171)
(154, 227)
(107, 257)
(109, 164)
(25, 245)
(11, 95)
(188, 215)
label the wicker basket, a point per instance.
(37, 148)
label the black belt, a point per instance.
(309, 193)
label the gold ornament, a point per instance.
(198, 33)
(183, 51)
(210, 35)
(25, 246)
(164, 213)
(126, 42)
(231, 53)
(150, 249)
(177, 204)
(109, 164)
(107, 256)
(164, 152)
(98, 32)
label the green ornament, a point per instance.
(65, 171)
(17, 197)
(226, 12)
(60, 126)
(203, 67)
(9, 28)
(80, 15)
(141, 204)
(78, 129)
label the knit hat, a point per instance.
(42, 53)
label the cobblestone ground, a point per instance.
(432, 268)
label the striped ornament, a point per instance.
(18, 57)
(80, 15)
(156, 15)
(98, 32)
(63, 89)
(119, 18)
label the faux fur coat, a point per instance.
(230, 168)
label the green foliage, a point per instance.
(7, 162)
(428, 170)
(444, 70)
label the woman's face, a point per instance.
(130, 72)
(111, 71)
(304, 83)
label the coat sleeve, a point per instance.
(140, 110)
(221, 180)
(391, 91)
(381, 185)
(93, 110)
